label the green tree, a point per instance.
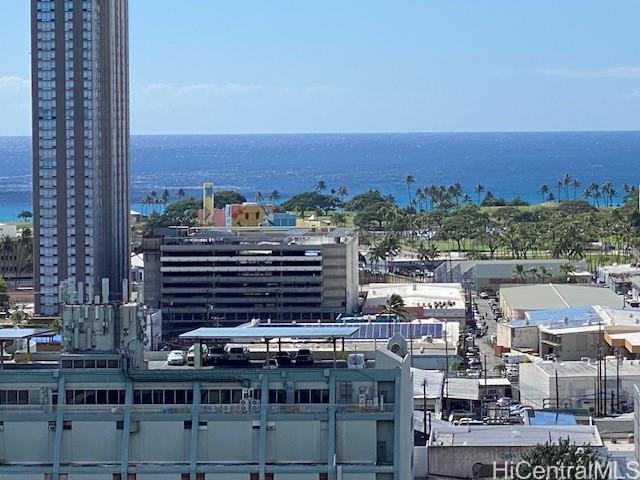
(180, 193)
(363, 200)
(25, 253)
(395, 306)
(567, 269)
(478, 190)
(544, 191)
(303, 202)
(274, 196)
(409, 180)
(519, 271)
(553, 459)
(4, 296)
(321, 186)
(227, 197)
(182, 212)
(25, 215)
(339, 219)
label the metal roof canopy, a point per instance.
(20, 333)
(261, 333)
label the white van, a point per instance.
(237, 353)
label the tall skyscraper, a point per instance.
(80, 96)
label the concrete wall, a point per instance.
(79, 443)
(534, 385)
(525, 337)
(356, 441)
(459, 461)
(17, 435)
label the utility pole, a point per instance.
(617, 379)
(446, 363)
(424, 406)
(557, 391)
(484, 410)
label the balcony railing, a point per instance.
(231, 409)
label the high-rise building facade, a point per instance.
(80, 96)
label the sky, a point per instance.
(291, 66)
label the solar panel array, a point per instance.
(383, 330)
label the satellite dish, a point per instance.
(398, 345)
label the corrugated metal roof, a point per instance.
(558, 296)
(258, 333)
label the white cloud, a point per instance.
(632, 71)
(14, 83)
(635, 95)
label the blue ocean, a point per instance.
(507, 164)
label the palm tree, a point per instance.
(567, 268)
(25, 215)
(479, 189)
(409, 180)
(180, 193)
(321, 186)
(559, 185)
(164, 198)
(259, 197)
(607, 191)
(6, 246)
(339, 219)
(594, 191)
(395, 306)
(544, 191)
(519, 272)
(566, 181)
(456, 191)
(575, 184)
(25, 251)
(274, 196)
(153, 199)
(543, 273)
(342, 192)
(466, 198)
(377, 253)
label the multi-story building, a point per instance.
(80, 97)
(226, 277)
(101, 415)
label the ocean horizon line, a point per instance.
(432, 132)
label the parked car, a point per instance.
(237, 354)
(270, 364)
(471, 373)
(204, 354)
(283, 358)
(217, 353)
(304, 357)
(483, 295)
(176, 357)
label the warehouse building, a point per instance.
(489, 275)
(568, 334)
(577, 384)
(516, 300)
(220, 277)
(473, 451)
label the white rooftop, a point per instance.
(512, 435)
(417, 294)
(579, 368)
